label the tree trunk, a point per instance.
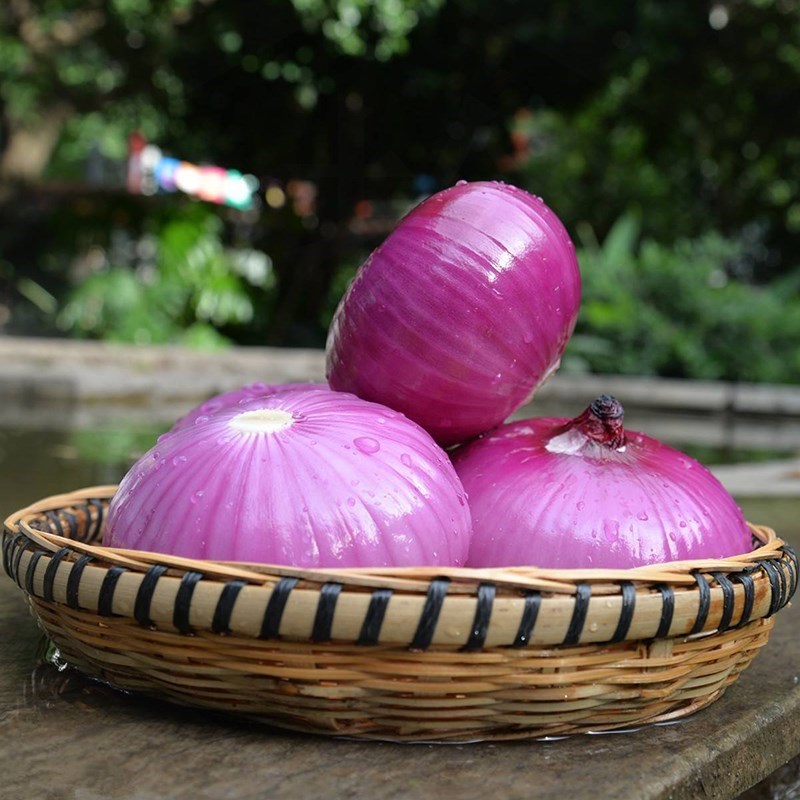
(30, 145)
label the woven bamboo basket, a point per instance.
(398, 654)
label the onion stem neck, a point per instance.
(602, 422)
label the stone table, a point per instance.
(64, 738)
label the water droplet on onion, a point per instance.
(366, 444)
(178, 460)
(351, 501)
(642, 515)
(406, 459)
(197, 496)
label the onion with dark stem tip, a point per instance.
(462, 313)
(585, 493)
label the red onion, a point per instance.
(584, 493)
(310, 478)
(461, 313)
(236, 397)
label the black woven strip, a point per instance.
(31, 570)
(326, 606)
(423, 636)
(105, 600)
(483, 613)
(626, 612)
(373, 621)
(17, 558)
(50, 573)
(72, 523)
(749, 596)
(704, 603)
(773, 573)
(583, 593)
(667, 611)
(98, 523)
(221, 622)
(794, 568)
(183, 601)
(784, 580)
(271, 626)
(54, 520)
(141, 608)
(9, 543)
(728, 600)
(74, 580)
(533, 600)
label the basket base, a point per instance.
(390, 693)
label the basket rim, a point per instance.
(468, 608)
(555, 580)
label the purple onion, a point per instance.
(310, 478)
(238, 396)
(583, 493)
(462, 313)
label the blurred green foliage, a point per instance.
(190, 290)
(663, 130)
(673, 310)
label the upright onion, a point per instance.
(238, 396)
(311, 478)
(461, 313)
(584, 493)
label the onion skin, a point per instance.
(346, 483)
(544, 493)
(238, 396)
(462, 312)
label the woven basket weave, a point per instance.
(422, 654)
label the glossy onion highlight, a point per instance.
(238, 396)
(309, 478)
(462, 313)
(583, 493)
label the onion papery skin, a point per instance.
(462, 312)
(238, 396)
(346, 483)
(644, 504)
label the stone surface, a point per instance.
(54, 384)
(64, 738)
(54, 369)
